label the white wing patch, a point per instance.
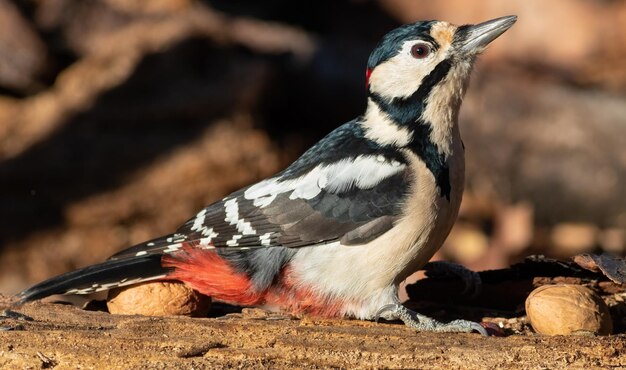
(232, 217)
(199, 226)
(198, 222)
(204, 242)
(364, 172)
(233, 242)
(173, 248)
(266, 239)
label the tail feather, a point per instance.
(159, 246)
(103, 276)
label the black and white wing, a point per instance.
(346, 188)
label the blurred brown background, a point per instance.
(120, 119)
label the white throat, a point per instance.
(443, 105)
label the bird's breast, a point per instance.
(371, 272)
(429, 213)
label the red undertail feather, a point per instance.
(208, 273)
(205, 271)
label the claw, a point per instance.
(424, 323)
(388, 307)
(479, 328)
(493, 330)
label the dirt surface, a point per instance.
(63, 336)
(119, 120)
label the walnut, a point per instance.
(158, 299)
(567, 309)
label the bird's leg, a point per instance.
(424, 323)
(13, 315)
(471, 279)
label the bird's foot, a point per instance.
(13, 315)
(424, 323)
(471, 279)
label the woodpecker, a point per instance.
(336, 232)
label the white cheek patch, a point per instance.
(364, 172)
(402, 75)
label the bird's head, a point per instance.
(407, 56)
(416, 78)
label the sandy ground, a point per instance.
(63, 336)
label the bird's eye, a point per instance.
(420, 50)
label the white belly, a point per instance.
(367, 276)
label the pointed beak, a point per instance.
(475, 38)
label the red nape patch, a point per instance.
(368, 73)
(205, 271)
(300, 300)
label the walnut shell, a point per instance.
(567, 309)
(158, 299)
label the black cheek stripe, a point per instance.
(407, 112)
